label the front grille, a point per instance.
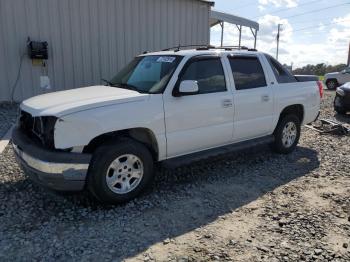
(39, 129)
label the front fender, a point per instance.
(73, 131)
(78, 129)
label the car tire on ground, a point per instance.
(332, 84)
(337, 106)
(287, 134)
(340, 111)
(120, 171)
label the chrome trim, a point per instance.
(48, 167)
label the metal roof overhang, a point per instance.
(219, 18)
(211, 3)
(216, 17)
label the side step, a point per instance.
(194, 157)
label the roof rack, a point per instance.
(207, 47)
(236, 47)
(179, 47)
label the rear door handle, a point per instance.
(265, 98)
(227, 103)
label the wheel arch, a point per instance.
(296, 109)
(140, 134)
(331, 79)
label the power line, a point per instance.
(286, 9)
(313, 20)
(314, 11)
(309, 27)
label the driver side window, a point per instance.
(208, 72)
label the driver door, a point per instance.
(203, 120)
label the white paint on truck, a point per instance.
(181, 125)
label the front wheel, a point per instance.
(120, 171)
(287, 134)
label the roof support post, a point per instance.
(222, 33)
(240, 34)
(255, 34)
(255, 37)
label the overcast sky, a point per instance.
(321, 35)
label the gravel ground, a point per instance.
(249, 206)
(8, 114)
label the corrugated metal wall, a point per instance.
(90, 39)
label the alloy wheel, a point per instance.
(124, 174)
(289, 134)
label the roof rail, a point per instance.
(207, 47)
(237, 47)
(179, 47)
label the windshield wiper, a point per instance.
(107, 82)
(127, 86)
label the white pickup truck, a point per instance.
(170, 106)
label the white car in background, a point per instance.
(333, 80)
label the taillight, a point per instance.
(320, 88)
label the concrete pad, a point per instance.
(5, 139)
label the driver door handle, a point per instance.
(265, 98)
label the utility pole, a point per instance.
(278, 39)
(349, 56)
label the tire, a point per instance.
(332, 84)
(340, 110)
(125, 179)
(285, 143)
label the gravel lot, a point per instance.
(249, 206)
(8, 114)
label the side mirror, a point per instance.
(188, 87)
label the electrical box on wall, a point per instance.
(37, 50)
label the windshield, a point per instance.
(147, 74)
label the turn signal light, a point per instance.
(320, 88)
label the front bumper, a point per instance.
(59, 171)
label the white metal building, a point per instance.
(91, 39)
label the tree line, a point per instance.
(319, 69)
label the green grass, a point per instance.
(321, 78)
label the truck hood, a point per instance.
(71, 101)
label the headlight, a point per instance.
(48, 123)
(340, 92)
(43, 128)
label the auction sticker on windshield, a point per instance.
(166, 59)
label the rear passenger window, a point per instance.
(281, 73)
(209, 74)
(247, 72)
